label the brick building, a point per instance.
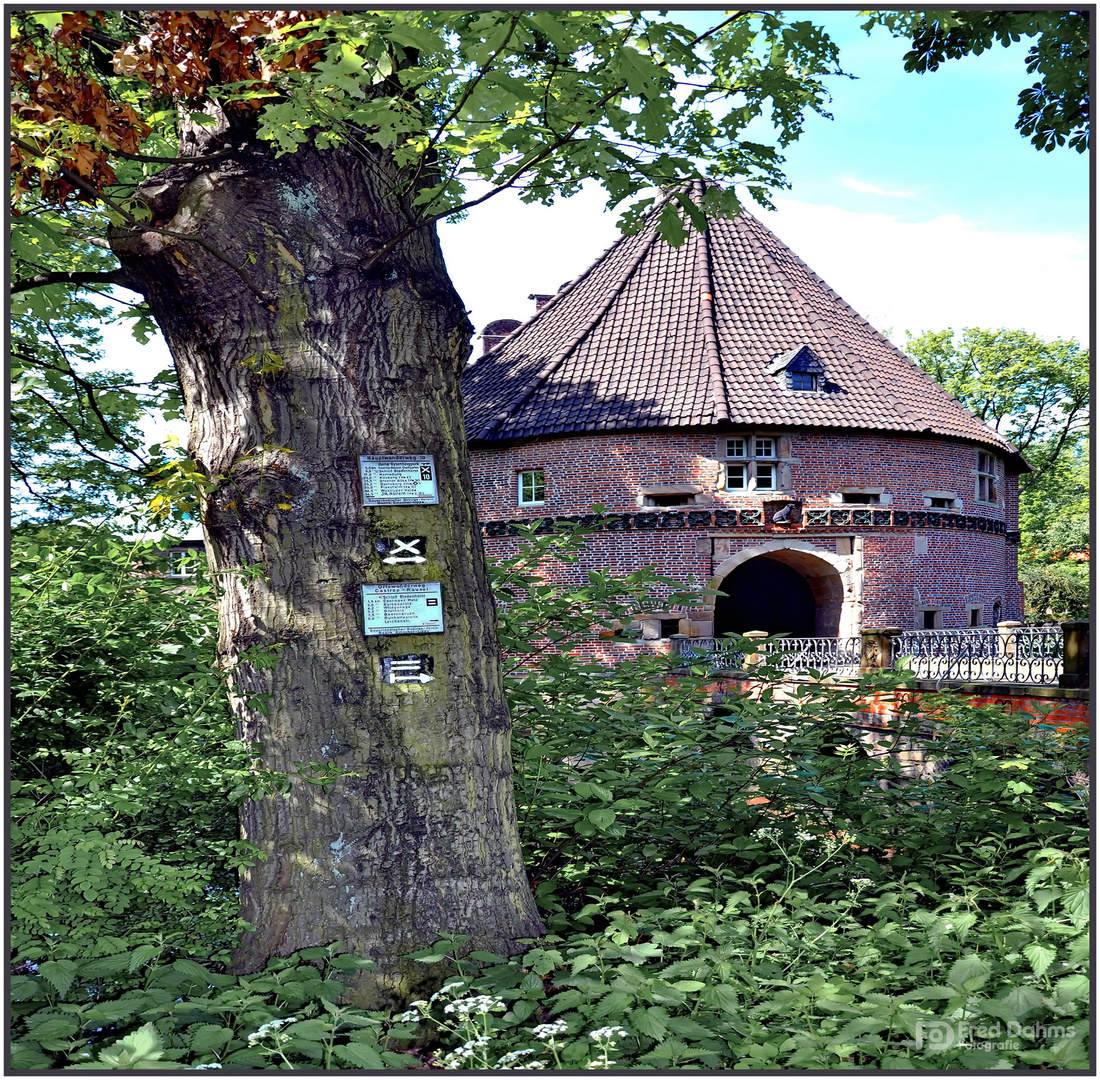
(745, 429)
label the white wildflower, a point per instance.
(607, 1033)
(264, 1030)
(455, 1058)
(445, 990)
(208, 1065)
(600, 1064)
(514, 1056)
(483, 1003)
(415, 1011)
(548, 1031)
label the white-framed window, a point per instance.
(987, 478)
(974, 615)
(531, 487)
(752, 462)
(183, 562)
(737, 477)
(801, 380)
(766, 478)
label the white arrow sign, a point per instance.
(421, 678)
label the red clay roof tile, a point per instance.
(663, 337)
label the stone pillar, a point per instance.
(1075, 650)
(758, 657)
(876, 651)
(1007, 644)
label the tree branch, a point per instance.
(469, 89)
(75, 434)
(539, 157)
(90, 277)
(141, 226)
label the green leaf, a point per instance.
(202, 1037)
(1040, 956)
(360, 1056)
(968, 973)
(59, 974)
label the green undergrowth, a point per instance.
(734, 880)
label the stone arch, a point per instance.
(834, 580)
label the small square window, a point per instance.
(737, 448)
(862, 497)
(737, 477)
(182, 564)
(531, 487)
(765, 478)
(937, 503)
(669, 627)
(764, 448)
(801, 380)
(975, 616)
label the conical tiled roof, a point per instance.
(652, 336)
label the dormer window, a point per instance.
(799, 369)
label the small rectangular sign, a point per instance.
(398, 479)
(395, 550)
(403, 607)
(410, 668)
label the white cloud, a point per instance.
(870, 189)
(506, 250)
(930, 275)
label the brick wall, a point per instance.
(960, 567)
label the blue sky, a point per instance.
(919, 203)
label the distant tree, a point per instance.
(1034, 392)
(1053, 110)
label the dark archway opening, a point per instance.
(765, 594)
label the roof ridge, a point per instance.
(585, 329)
(711, 351)
(563, 292)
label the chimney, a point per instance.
(496, 332)
(541, 300)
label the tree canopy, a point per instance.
(1055, 111)
(1034, 392)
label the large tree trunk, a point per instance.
(337, 357)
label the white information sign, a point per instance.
(398, 479)
(403, 607)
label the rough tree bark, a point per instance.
(330, 355)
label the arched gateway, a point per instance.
(787, 587)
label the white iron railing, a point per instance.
(835, 656)
(1023, 654)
